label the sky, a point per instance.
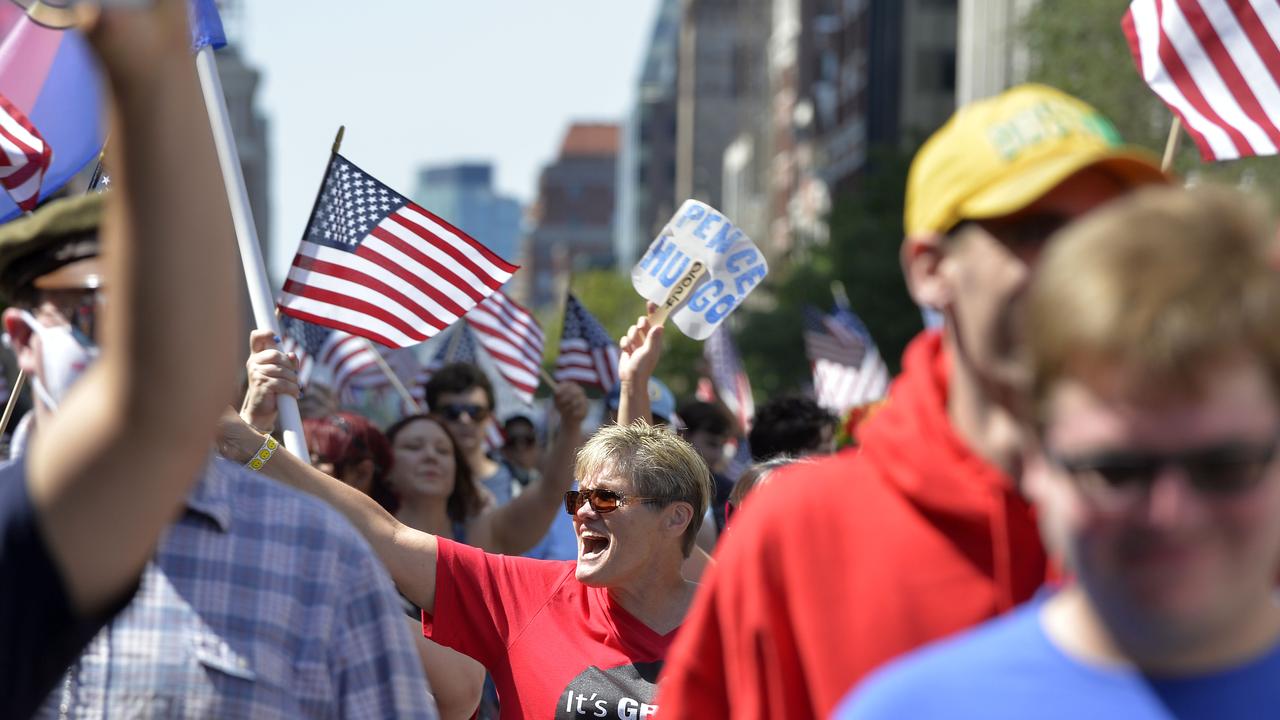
(420, 82)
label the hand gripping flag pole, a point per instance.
(255, 272)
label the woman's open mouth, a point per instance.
(593, 544)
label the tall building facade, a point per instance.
(989, 58)
(572, 221)
(463, 194)
(647, 160)
(240, 83)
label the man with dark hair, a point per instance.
(791, 427)
(520, 448)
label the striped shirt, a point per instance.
(261, 602)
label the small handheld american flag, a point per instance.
(24, 156)
(587, 354)
(1216, 64)
(329, 357)
(513, 338)
(375, 264)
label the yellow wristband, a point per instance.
(264, 454)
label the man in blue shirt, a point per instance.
(1155, 411)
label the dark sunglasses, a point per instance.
(521, 440)
(602, 501)
(455, 411)
(1118, 479)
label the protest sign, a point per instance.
(699, 269)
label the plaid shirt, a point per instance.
(260, 603)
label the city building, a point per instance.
(463, 195)
(240, 83)
(647, 161)
(989, 57)
(572, 220)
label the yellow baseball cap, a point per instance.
(996, 156)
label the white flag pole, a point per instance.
(255, 271)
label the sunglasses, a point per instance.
(455, 411)
(601, 500)
(520, 440)
(1117, 480)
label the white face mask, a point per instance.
(65, 354)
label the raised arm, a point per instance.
(641, 349)
(410, 555)
(520, 524)
(109, 471)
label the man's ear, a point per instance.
(921, 257)
(677, 518)
(20, 340)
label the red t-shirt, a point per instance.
(555, 647)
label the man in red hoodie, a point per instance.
(840, 565)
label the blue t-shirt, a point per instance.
(40, 633)
(1009, 669)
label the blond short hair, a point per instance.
(659, 464)
(1159, 284)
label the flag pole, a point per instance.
(1171, 145)
(255, 271)
(13, 401)
(546, 378)
(405, 395)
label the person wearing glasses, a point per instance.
(560, 638)
(1155, 415)
(520, 448)
(922, 532)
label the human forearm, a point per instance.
(521, 523)
(173, 319)
(456, 680)
(633, 401)
(108, 472)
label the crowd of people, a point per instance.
(1067, 505)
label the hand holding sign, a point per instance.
(698, 270)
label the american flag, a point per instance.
(856, 376)
(374, 264)
(512, 338)
(330, 357)
(587, 355)
(826, 339)
(24, 156)
(1214, 63)
(728, 377)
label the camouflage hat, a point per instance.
(54, 248)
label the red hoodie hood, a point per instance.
(957, 491)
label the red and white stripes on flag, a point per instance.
(587, 355)
(512, 338)
(1214, 63)
(348, 359)
(374, 264)
(24, 156)
(331, 358)
(838, 387)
